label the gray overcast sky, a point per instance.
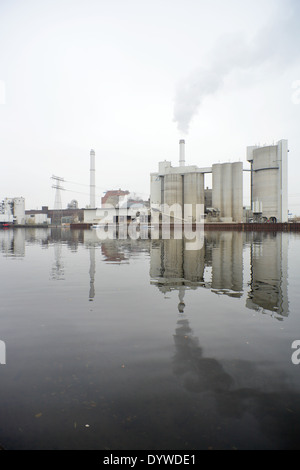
(130, 78)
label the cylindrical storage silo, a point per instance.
(193, 194)
(217, 186)
(226, 178)
(265, 180)
(237, 192)
(173, 196)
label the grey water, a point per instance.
(143, 344)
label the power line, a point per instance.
(82, 184)
(87, 185)
(79, 192)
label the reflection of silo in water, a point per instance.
(227, 261)
(156, 260)
(175, 265)
(173, 258)
(269, 273)
(193, 265)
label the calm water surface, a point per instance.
(128, 345)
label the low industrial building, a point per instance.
(37, 219)
(115, 215)
(113, 197)
(54, 216)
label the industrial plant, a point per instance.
(185, 185)
(183, 189)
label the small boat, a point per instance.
(6, 225)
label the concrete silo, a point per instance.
(181, 186)
(172, 198)
(237, 191)
(217, 186)
(269, 180)
(193, 195)
(227, 191)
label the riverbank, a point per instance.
(244, 227)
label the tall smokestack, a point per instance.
(182, 153)
(92, 180)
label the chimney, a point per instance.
(182, 153)
(92, 180)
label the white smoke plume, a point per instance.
(277, 45)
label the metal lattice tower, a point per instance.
(58, 186)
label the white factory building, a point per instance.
(12, 210)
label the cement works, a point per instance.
(178, 187)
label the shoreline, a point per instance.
(243, 227)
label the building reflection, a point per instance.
(112, 251)
(12, 243)
(269, 274)
(173, 267)
(230, 387)
(224, 264)
(227, 262)
(197, 372)
(57, 270)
